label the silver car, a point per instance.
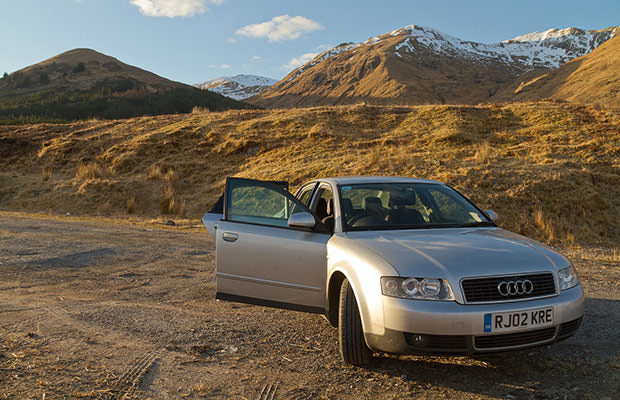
(399, 265)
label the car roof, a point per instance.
(351, 180)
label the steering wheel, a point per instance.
(373, 217)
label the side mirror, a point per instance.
(492, 215)
(302, 220)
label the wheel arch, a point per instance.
(357, 284)
(333, 296)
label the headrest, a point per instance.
(402, 198)
(330, 207)
(370, 202)
(347, 206)
(321, 206)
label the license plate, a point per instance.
(518, 320)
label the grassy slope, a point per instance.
(549, 169)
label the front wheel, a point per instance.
(353, 347)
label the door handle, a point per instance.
(230, 236)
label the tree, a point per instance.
(5, 76)
(44, 78)
(79, 68)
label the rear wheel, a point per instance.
(353, 347)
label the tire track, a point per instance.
(128, 383)
(268, 392)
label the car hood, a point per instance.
(456, 253)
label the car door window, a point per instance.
(260, 202)
(305, 196)
(321, 209)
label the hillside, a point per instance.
(418, 65)
(238, 87)
(593, 78)
(83, 83)
(549, 169)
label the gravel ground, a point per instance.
(108, 310)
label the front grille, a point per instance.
(478, 290)
(439, 342)
(569, 328)
(514, 339)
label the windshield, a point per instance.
(377, 206)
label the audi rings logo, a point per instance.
(515, 288)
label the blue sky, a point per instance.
(194, 40)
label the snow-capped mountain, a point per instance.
(238, 87)
(416, 64)
(590, 79)
(548, 49)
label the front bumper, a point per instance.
(413, 326)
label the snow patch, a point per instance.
(322, 57)
(238, 87)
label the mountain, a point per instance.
(419, 65)
(593, 78)
(83, 83)
(238, 87)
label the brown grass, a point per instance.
(549, 169)
(131, 204)
(92, 170)
(46, 173)
(155, 172)
(483, 153)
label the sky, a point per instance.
(192, 41)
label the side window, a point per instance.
(322, 206)
(304, 198)
(259, 203)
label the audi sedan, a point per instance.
(398, 265)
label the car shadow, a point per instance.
(564, 369)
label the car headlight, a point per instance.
(568, 277)
(416, 288)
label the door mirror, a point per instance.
(302, 220)
(492, 215)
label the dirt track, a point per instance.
(110, 311)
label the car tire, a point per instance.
(353, 349)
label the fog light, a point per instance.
(419, 340)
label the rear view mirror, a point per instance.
(302, 220)
(492, 215)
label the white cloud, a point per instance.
(283, 27)
(257, 58)
(173, 8)
(231, 40)
(224, 66)
(299, 61)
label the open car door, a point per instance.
(270, 249)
